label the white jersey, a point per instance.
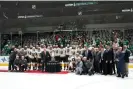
(68, 50)
(62, 52)
(73, 52)
(38, 53)
(29, 52)
(26, 51)
(57, 51)
(78, 50)
(33, 53)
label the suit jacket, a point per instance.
(89, 54)
(110, 56)
(45, 57)
(12, 56)
(105, 55)
(17, 62)
(127, 55)
(97, 56)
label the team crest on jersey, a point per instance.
(79, 52)
(56, 51)
(61, 52)
(67, 50)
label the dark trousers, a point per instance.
(114, 66)
(17, 68)
(109, 68)
(11, 65)
(101, 66)
(120, 68)
(23, 68)
(66, 60)
(43, 63)
(62, 59)
(57, 58)
(85, 70)
(97, 66)
(104, 68)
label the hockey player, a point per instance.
(73, 51)
(62, 54)
(29, 58)
(22, 52)
(33, 58)
(79, 50)
(57, 53)
(38, 58)
(68, 52)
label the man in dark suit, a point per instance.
(87, 53)
(45, 57)
(110, 58)
(12, 57)
(126, 58)
(97, 57)
(105, 61)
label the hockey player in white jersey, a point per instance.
(73, 51)
(38, 58)
(68, 52)
(62, 54)
(79, 50)
(57, 53)
(33, 58)
(29, 56)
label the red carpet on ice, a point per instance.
(39, 72)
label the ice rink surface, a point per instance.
(63, 81)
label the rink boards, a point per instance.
(4, 61)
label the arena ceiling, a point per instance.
(21, 14)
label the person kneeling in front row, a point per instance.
(17, 64)
(87, 66)
(23, 64)
(79, 66)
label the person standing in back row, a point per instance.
(12, 57)
(45, 58)
(126, 58)
(121, 62)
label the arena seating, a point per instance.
(75, 37)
